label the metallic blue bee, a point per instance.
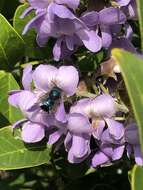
(51, 100)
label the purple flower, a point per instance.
(103, 21)
(77, 141)
(80, 128)
(129, 7)
(52, 23)
(111, 144)
(44, 4)
(29, 100)
(133, 145)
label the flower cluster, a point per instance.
(88, 129)
(59, 19)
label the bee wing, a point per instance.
(42, 98)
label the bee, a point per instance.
(50, 101)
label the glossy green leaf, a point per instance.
(137, 178)
(8, 83)
(132, 72)
(14, 154)
(32, 49)
(11, 45)
(140, 14)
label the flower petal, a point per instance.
(102, 106)
(131, 134)
(44, 77)
(118, 152)
(80, 146)
(98, 126)
(78, 124)
(32, 132)
(90, 39)
(54, 137)
(116, 129)
(73, 4)
(138, 155)
(68, 141)
(36, 4)
(57, 49)
(14, 97)
(67, 79)
(99, 159)
(60, 114)
(27, 77)
(123, 2)
(110, 16)
(106, 36)
(61, 11)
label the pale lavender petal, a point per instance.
(26, 12)
(80, 106)
(69, 85)
(44, 77)
(26, 100)
(60, 114)
(123, 2)
(32, 23)
(68, 141)
(42, 39)
(27, 77)
(54, 137)
(138, 155)
(98, 126)
(129, 150)
(106, 137)
(131, 134)
(14, 97)
(102, 106)
(19, 123)
(106, 36)
(99, 159)
(116, 129)
(107, 149)
(61, 11)
(132, 8)
(32, 132)
(57, 49)
(39, 116)
(36, 4)
(73, 4)
(90, 39)
(129, 31)
(110, 16)
(118, 152)
(72, 159)
(69, 43)
(80, 146)
(90, 18)
(78, 124)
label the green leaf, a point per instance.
(137, 178)
(132, 72)
(8, 83)
(32, 49)
(14, 154)
(11, 45)
(140, 14)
